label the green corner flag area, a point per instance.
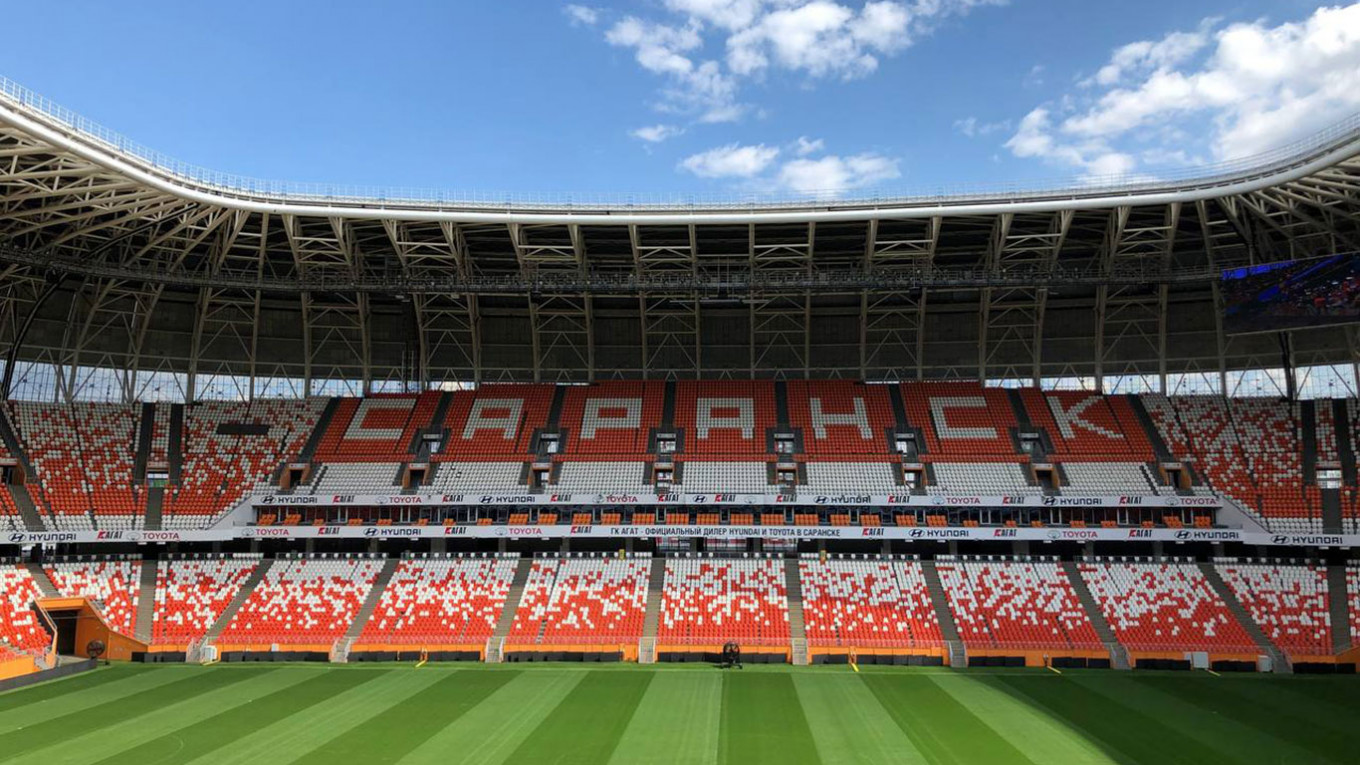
(545, 713)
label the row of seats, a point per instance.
(441, 600)
(708, 601)
(1165, 606)
(113, 585)
(1289, 603)
(1000, 604)
(867, 602)
(21, 630)
(192, 592)
(581, 600)
(304, 601)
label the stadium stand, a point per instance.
(1163, 606)
(192, 592)
(961, 419)
(1269, 433)
(725, 418)
(356, 478)
(436, 600)
(477, 476)
(1353, 590)
(1288, 602)
(1107, 479)
(871, 477)
(111, 584)
(738, 477)
(1199, 429)
(1021, 604)
(981, 478)
(376, 428)
(495, 421)
(867, 602)
(83, 457)
(231, 449)
(21, 630)
(839, 419)
(583, 600)
(303, 601)
(612, 418)
(709, 601)
(1088, 426)
(606, 477)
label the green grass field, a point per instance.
(257, 713)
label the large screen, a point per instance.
(1292, 294)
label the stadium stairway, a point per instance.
(28, 511)
(1341, 425)
(793, 589)
(340, 651)
(44, 582)
(958, 655)
(323, 423)
(656, 587)
(146, 426)
(146, 601)
(155, 506)
(1278, 660)
(229, 613)
(1331, 511)
(1153, 435)
(1308, 451)
(1339, 609)
(507, 618)
(175, 442)
(1119, 657)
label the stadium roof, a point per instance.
(117, 257)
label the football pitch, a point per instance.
(388, 713)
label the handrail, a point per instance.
(234, 185)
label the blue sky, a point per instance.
(822, 97)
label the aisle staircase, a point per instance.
(1279, 661)
(146, 601)
(340, 651)
(958, 654)
(656, 585)
(797, 630)
(495, 646)
(1119, 657)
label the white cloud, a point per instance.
(804, 175)
(656, 133)
(731, 161)
(832, 176)
(1215, 93)
(582, 15)
(972, 127)
(816, 39)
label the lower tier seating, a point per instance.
(1353, 589)
(867, 602)
(596, 599)
(1167, 606)
(21, 629)
(1107, 479)
(192, 592)
(1289, 603)
(111, 584)
(709, 601)
(981, 478)
(999, 603)
(735, 477)
(304, 601)
(441, 600)
(856, 477)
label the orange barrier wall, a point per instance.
(90, 625)
(19, 667)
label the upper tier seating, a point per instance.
(606, 477)
(1289, 603)
(495, 421)
(710, 601)
(477, 476)
(981, 478)
(1268, 431)
(867, 602)
(308, 601)
(859, 477)
(840, 418)
(379, 428)
(10, 520)
(613, 418)
(356, 478)
(1107, 479)
(726, 477)
(1199, 429)
(960, 418)
(441, 601)
(112, 585)
(1164, 607)
(192, 592)
(1088, 426)
(83, 457)
(583, 600)
(1015, 604)
(725, 417)
(1326, 432)
(21, 630)
(220, 469)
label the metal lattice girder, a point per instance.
(779, 334)
(892, 335)
(563, 337)
(670, 334)
(449, 331)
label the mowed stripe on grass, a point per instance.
(323, 715)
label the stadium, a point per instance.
(1015, 475)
